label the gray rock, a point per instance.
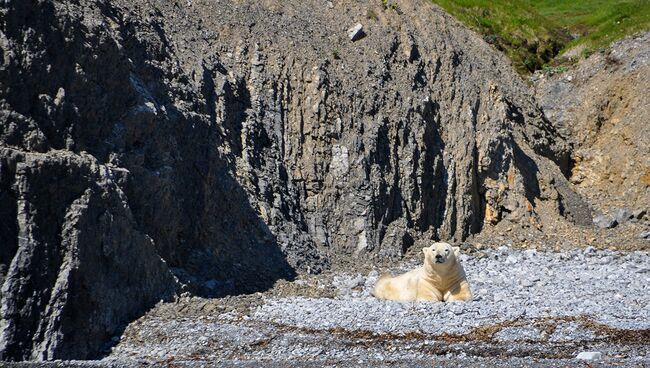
(622, 215)
(589, 355)
(645, 235)
(605, 221)
(513, 334)
(639, 214)
(356, 33)
(527, 283)
(97, 261)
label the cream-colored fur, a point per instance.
(441, 278)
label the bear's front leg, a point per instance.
(428, 293)
(459, 292)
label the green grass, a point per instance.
(533, 33)
(597, 23)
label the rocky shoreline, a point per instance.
(529, 304)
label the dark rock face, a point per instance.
(106, 187)
(153, 149)
(80, 265)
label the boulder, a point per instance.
(589, 355)
(605, 221)
(356, 33)
(623, 215)
(645, 235)
(639, 214)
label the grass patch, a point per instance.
(597, 23)
(534, 32)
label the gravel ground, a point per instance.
(530, 307)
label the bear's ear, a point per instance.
(456, 251)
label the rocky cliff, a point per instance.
(149, 148)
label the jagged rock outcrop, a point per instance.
(161, 147)
(80, 265)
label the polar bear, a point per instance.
(441, 278)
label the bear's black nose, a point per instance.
(438, 256)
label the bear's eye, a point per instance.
(447, 251)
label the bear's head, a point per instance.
(440, 253)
